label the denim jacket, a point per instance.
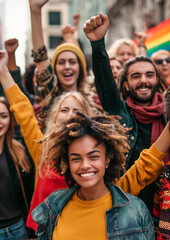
(128, 218)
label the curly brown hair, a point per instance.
(106, 129)
(161, 86)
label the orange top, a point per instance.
(83, 219)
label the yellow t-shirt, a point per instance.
(82, 220)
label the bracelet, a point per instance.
(44, 75)
(142, 45)
(40, 54)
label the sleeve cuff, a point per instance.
(156, 152)
(98, 43)
(13, 93)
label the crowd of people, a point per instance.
(85, 151)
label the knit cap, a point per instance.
(69, 47)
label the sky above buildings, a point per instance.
(16, 15)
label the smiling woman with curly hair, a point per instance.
(90, 153)
(106, 129)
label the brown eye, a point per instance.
(75, 159)
(60, 62)
(94, 157)
(73, 62)
(4, 116)
(64, 110)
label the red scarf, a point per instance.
(151, 114)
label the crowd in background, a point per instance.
(84, 148)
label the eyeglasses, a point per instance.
(160, 61)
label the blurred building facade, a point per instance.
(125, 16)
(128, 16)
(57, 13)
(55, 16)
(1, 23)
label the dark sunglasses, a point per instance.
(160, 61)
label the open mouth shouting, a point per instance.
(68, 76)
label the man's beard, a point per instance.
(143, 99)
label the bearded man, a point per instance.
(141, 86)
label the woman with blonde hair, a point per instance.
(161, 59)
(55, 109)
(17, 179)
(125, 48)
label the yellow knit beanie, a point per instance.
(69, 47)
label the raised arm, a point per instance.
(22, 109)
(76, 20)
(46, 82)
(11, 46)
(37, 34)
(141, 38)
(70, 33)
(95, 29)
(5, 77)
(148, 166)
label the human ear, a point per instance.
(126, 85)
(107, 162)
(157, 79)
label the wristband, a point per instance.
(40, 54)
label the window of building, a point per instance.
(162, 10)
(54, 18)
(54, 41)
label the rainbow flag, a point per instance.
(158, 37)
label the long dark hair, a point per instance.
(15, 148)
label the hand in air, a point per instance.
(37, 4)
(96, 27)
(141, 36)
(3, 59)
(11, 45)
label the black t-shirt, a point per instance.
(9, 210)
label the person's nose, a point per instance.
(143, 78)
(115, 70)
(85, 164)
(126, 58)
(71, 111)
(67, 65)
(164, 62)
